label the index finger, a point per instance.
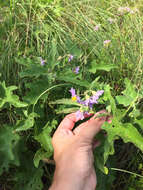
(69, 121)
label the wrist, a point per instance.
(66, 177)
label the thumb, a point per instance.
(92, 127)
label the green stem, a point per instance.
(102, 115)
(125, 171)
(45, 92)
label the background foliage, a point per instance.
(37, 38)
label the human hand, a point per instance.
(73, 153)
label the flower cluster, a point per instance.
(96, 28)
(85, 104)
(123, 10)
(106, 43)
(70, 58)
(76, 70)
(111, 20)
(42, 61)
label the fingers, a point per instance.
(90, 128)
(69, 121)
(77, 129)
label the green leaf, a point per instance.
(107, 93)
(101, 66)
(135, 113)
(129, 95)
(126, 101)
(94, 84)
(130, 134)
(8, 144)
(34, 71)
(126, 131)
(76, 52)
(40, 155)
(140, 123)
(2, 91)
(23, 125)
(44, 138)
(35, 89)
(7, 96)
(66, 102)
(27, 177)
(108, 147)
(130, 90)
(74, 80)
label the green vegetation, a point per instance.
(46, 48)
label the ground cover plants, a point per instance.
(58, 57)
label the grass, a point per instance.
(52, 30)
(34, 30)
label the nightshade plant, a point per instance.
(121, 107)
(85, 105)
(48, 49)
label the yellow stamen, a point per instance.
(74, 98)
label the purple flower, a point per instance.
(70, 58)
(96, 28)
(72, 91)
(106, 42)
(78, 100)
(88, 103)
(93, 99)
(111, 20)
(124, 10)
(96, 96)
(99, 92)
(127, 9)
(74, 96)
(79, 115)
(76, 70)
(42, 61)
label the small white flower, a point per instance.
(111, 20)
(96, 28)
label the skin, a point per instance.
(73, 153)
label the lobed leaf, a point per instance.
(139, 122)
(8, 148)
(73, 80)
(107, 93)
(129, 95)
(7, 96)
(40, 155)
(101, 66)
(34, 71)
(35, 89)
(126, 131)
(24, 125)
